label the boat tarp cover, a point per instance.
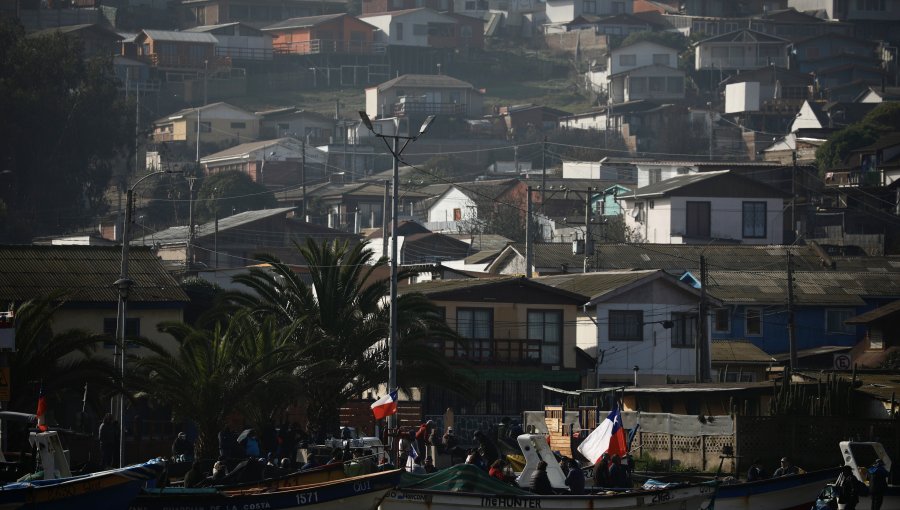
(460, 478)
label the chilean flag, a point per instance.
(385, 406)
(608, 437)
(41, 409)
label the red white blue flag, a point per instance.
(385, 406)
(608, 437)
(41, 410)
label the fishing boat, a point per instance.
(356, 493)
(861, 455)
(320, 474)
(790, 492)
(467, 486)
(53, 486)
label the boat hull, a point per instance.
(783, 493)
(362, 492)
(891, 500)
(680, 498)
(114, 489)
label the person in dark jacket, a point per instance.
(756, 471)
(574, 477)
(618, 478)
(487, 448)
(540, 482)
(878, 483)
(601, 472)
(848, 490)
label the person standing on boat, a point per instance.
(848, 490)
(618, 478)
(486, 447)
(251, 446)
(108, 443)
(451, 446)
(756, 471)
(574, 477)
(540, 482)
(182, 449)
(429, 465)
(601, 472)
(786, 468)
(405, 448)
(878, 483)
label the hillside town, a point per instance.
(317, 226)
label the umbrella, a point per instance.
(243, 436)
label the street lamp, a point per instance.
(396, 150)
(123, 286)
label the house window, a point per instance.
(626, 325)
(754, 219)
(722, 320)
(283, 127)
(753, 322)
(546, 326)
(619, 7)
(399, 30)
(657, 84)
(834, 322)
(627, 60)
(589, 7)
(132, 329)
(637, 85)
(697, 220)
(477, 326)
(238, 125)
(205, 127)
(661, 59)
(684, 329)
(733, 377)
(457, 214)
(675, 85)
(655, 175)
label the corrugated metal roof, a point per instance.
(302, 22)
(813, 288)
(592, 285)
(668, 185)
(439, 286)
(246, 148)
(170, 35)
(83, 273)
(674, 258)
(738, 351)
(179, 234)
(876, 314)
(432, 81)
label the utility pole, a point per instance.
(703, 341)
(529, 241)
(793, 195)
(189, 249)
(543, 171)
(792, 343)
(384, 218)
(303, 177)
(588, 242)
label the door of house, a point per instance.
(697, 224)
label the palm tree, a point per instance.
(341, 325)
(58, 362)
(213, 372)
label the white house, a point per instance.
(273, 163)
(843, 10)
(564, 11)
(640, 71)
(417, 95)
(411, 27)
(646, 319)
(741, 50)
(707, 206)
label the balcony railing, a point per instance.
(506, 351)
(238, 53)
(317, 46)
(742, 62)
(188, 62)
(852, 178)
(428, 108)
(163, 137)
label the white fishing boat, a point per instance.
(791, 492)
(861, 455)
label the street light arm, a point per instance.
(151, 174)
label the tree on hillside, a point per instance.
(341, 323)
(65, 126)
(229, 193)
(834, 152)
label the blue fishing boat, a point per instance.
(113, 489)
(357, 493)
